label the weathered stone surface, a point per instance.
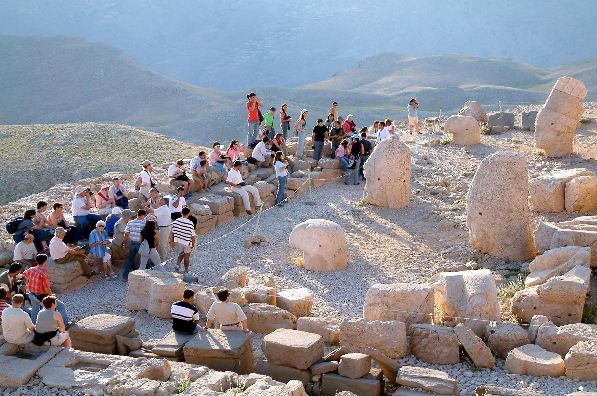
(434, 344)
(172, 344)
(354, 365)
(581, 231)
(581, 194)
(533, 360)
(366, 386)
(65, 277)
(501, 119)
(475, 347)
(154, 291)
(15, 371)
(293, 348)
(97, 333)
(426, 379)
(527, 120)
(388, 337)
(297, 301)
(547, 192)
(558, 119)
(407, 302)
(388, 189)
(324, 367)
(234, 277)
(465, 129)
(502, 337)
(581, 361)
(561, 298)
(327, 328)
(218, 204)
(466, 294)
(555, 262)
(323, 243)
(561, 339)
(265, 318)
(221, 350)
(474, 109)
(125, 345)
(498, 215)
(282, 373)
(260, 294)
(536, 322)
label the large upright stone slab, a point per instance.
(558, 119)
(407, 302)
(323, 243)
(221, 350)
(293, 348)
(385, 188)
(388, 337)
(475, 347)
(498, 215)
(154, 291)
(465, 296)
(98, 333)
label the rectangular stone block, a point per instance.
(74, 284)
(366, 386)
(172, 344)
(282, 373)
(265, 318)
(327, 328)
(15, 372)
(293, 348)
(297, 301)
(221, 350)
(407, 302)
(224, 218)
(388, 337)
(217, 203)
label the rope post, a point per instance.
(310, 202)
(258, 220)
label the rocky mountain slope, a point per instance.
(34, 158)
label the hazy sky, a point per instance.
(291, 43)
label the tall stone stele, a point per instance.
(558, 119)
(498, 214)
(388, 173)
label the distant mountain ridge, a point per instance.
(61, 80)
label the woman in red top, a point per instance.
(253, 120)
(285, 120)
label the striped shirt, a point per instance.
(184, 316)
(134, 228)
(183, 231)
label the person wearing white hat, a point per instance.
(98, 246)
(80, 208)
(144, 182)
(103, 202)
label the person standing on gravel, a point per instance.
(367, 149)
(336, 136)
(182, 238)
(300, 130)
(413, 116)
(319, 137)
(253, 120)
(285, 120)
(98, 246)
(132, 237)
(280, 166)
(164, 221)
(268, 122)
(144, 182)
(239, 186)
(118, 248)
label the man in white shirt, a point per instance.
(164, 220)
(177, 202)
(237, 184)
(178, 176)
(62, 254)
(386, 132)
(25, 251)
(17, 327)
(144, 181)
(261, 153)
(81, 205)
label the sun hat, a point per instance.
(100, 223)
(128, 214)
(80, 189)
(117, 210)
(216, 144)
(145, 163)
(105, 185)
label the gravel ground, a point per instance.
(385, 245)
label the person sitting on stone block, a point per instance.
(12, 280)
(49, 327)
(185, 317)
(177, 175)
(262, 153)
(25, 251)
(98, 245)
(62, 254)
(4, 301)
(229, 315)
(235, 180)
(17, 327)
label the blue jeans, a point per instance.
(219, 167)
(130, 260)
(353, 174)
(300, 147)
(36, 306)
(281, 189)
(343, 164)
(334, 148)
(253, 131)
(285, 127)
(86, 223)
(318, 148)
(364, 159)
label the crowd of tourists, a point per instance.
(105, 229)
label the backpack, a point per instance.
(13, 225)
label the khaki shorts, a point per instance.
(59, 338)
(413, 120)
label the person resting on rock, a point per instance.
(229, 315)
(185, 317)
(49, 327)
(17, 327)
